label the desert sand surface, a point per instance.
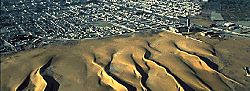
(140, 62)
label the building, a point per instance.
(205, 0)
(214, 16)
(217, 18)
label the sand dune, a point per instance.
(141, 62)
(38, 80)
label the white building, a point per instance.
(205, 0)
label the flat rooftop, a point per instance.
(216, 16)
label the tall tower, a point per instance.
(188, 20)
(188, 24)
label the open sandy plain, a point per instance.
(140, 62)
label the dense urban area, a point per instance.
(26, 24)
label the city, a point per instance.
(29, 24)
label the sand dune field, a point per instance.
(140, 62)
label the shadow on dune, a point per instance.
(52, 84)
(204, 59)
(209, 63)
(24, 84)
(45, 66)
(143, 74)
(185, 86)
(128, 86)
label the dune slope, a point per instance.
(142, 62)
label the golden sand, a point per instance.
(159, 62)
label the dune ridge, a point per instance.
(106, 79)
(159, 62)
(159, 70)
(36, 79)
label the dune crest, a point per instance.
(38, 80)
(106, 79)
(158, 62)
(165, 77)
